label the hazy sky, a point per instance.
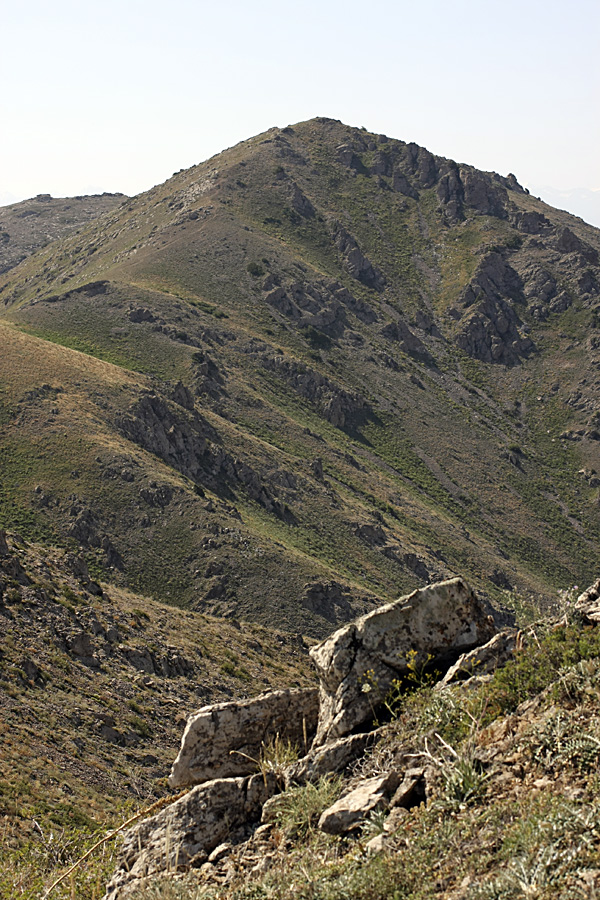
(118, 94)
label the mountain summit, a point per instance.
(317, 370)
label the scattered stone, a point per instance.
(351, 810)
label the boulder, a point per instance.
(225, 740)
(358, 663)
(350, 811)
(188, 830)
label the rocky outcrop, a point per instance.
(568, 242)
(335, 756)
(399, 332)
(226, 740)
(185, 441)
(178, 439)
(490, 327)
(358, 663)
(461, 188)
(331, 600)
(587, 605)
(433, 624)
(336, 405)
(320, 304)
(482, 660)
(183, 834)
(300, 203)
(358, 265)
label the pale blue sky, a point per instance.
(118, 94)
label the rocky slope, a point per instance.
(316, 370)
(95, 686)
(31, 224)
(494, 758)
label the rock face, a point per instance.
(490, 326)
(358, 663)
(357, 264)
(226, 739)
(183, 834)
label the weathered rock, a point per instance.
(482, 195)
(490, 327)
(587, 605)
(483, 660)
(330, 758)
(420, 162)
(336, 405)
(434, 625)
(399, 332)
(450, 192)
(182, 396)
(226, 739)
(328, 599)
(141, 314)
(350, 811)
(300, 203)
(402, 185)
(411, 791)
(188, 830)
(357, 264)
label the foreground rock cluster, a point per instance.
(436, 627)
(443, 627)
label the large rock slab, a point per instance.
(225, 740)
(433, 625)
(187, 831)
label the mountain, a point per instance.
(320, 369)
(31, 224)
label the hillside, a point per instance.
(317, 370)
(31, 224)
(96, 684)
